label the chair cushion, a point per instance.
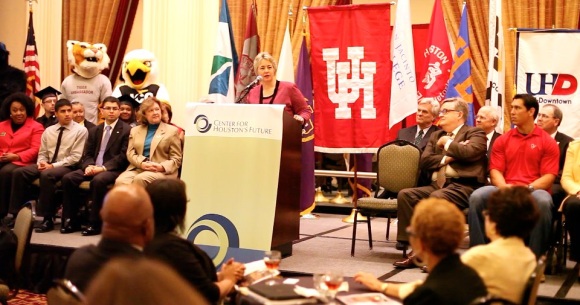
(379, 204)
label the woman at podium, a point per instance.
(273, 91)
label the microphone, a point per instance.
(254, 83)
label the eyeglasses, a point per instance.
(410, 231)
(446, 111)
(544, 116)
(110, 108)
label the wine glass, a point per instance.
(272, 260)
(333, 280)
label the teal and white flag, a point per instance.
(225, 61)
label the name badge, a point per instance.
(2, 134)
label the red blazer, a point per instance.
(25, 142)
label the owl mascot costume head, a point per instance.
(87, 85)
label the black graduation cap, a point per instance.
(127, 99)
(48, 91)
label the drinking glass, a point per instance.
(272, 260)
(333, 280)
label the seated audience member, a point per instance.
(48, 96)
(549, 119)
(526, 156)
(193, 264)
(167, 115)
(104, 159)
(78, 115)
(127, 281)
(128, 110)
(61, 148)
(154, 150)
(487, 119)
(127, 216)
(19, 142)
(571, 206)
(436, 230)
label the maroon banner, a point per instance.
(351, 73)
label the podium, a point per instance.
(242, 166)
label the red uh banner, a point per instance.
(351, 73)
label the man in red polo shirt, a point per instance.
(526, 155)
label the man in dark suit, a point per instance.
(549, 119)
(427, 111)
(128, 226)
(104, 159)
(78, 112)
(455, 156)
(486, 119)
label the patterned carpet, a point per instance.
(28, 298)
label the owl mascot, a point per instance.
(139, 74)
(87, 85)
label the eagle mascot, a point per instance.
(139, 74)
(87, 85)
(11, 79)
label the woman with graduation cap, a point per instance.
(129, 108)
(19, 142)
(48, 96)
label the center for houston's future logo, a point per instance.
(202, 124)
(221, 227)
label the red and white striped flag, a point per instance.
(246, 73)
(31, 66)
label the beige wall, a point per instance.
(13, 18)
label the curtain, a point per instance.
(541, 14)
(121, 32)
(89, 20)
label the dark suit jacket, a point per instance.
(563, 140)
(408, 134)
(449, 283)
(86, 261)
(89, 125)
(115, 157)
(470, 160)
(46, 122)
(493, 138)
(192, 263)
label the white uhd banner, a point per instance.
(231, 163)
(548, 67)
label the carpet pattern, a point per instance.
(25, 297)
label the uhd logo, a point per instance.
(560, 84)
(202, 123)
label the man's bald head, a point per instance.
(127, 214)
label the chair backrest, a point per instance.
(23, 231)
(398, 165)
(64, 293)
(531, 290)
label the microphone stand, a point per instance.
(243, 94)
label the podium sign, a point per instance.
(231, 166)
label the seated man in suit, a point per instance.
(128, 226)
(104, 159)
(427, 111)
(61, 148)
(78, 114)
(486, 119)
(549, 119)
(48, 96)
(527, 156)
(456, 158)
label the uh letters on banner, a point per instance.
(551, 79)
(351, 73)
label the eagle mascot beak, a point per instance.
(138, 70)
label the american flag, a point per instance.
(31, 64)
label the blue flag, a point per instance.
(460, 83)
(225, 61)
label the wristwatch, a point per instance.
(531, 188)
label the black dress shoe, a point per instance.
(69, 227)
(406, 263)
(47, 225)
(91, 231)
(402, 245)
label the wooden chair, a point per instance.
(64, 292)
(398, 168)
(23, 231)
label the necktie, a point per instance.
(441, 173)
(57, 145)
(418, 138)
(99, 160)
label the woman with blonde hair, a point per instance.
(273, 91)
(436, 230)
